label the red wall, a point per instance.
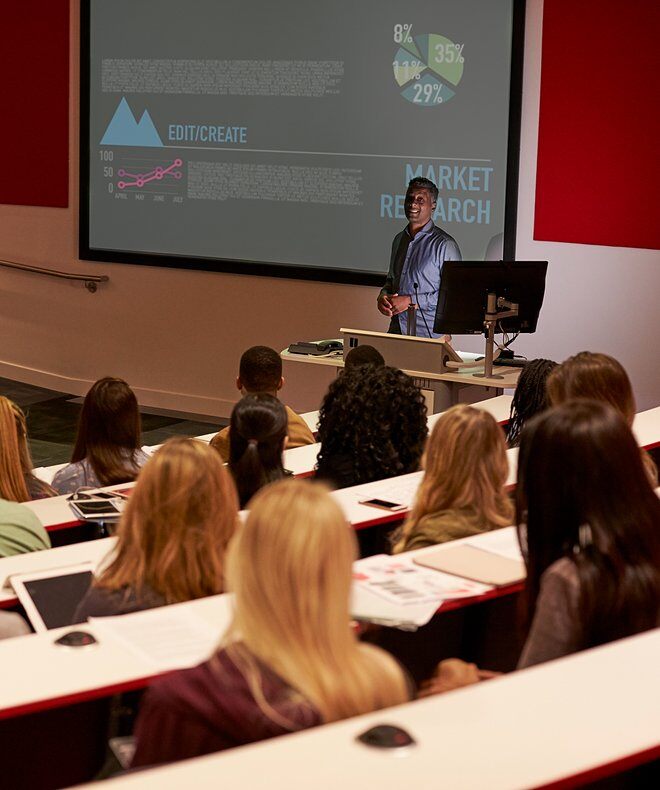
(34, 130)
(598, 173)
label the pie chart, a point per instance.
(428, 68)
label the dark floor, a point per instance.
(52, 418)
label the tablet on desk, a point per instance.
(102, 509)
(50, 598)
(478, 565)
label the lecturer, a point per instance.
(418, 254)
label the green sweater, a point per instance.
(444, 526)
(20, 530)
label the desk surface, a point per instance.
(510, 374)
(38, 675)
(540, 727)
(55, 513)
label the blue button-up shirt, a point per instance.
(427, 251)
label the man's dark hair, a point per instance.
(260, 370)
(363, 355)
(424, 183)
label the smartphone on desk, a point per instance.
(383, 504)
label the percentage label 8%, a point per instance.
(403, 33)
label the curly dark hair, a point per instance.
(530, 397)
(372, 425)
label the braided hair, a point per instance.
(530, 397)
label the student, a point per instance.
(602, 378)
(530, 397)
(588, 524)
(17, 481)
(107, 448)
(257, 439)
(363, 355)
(20, 530)
(462, 492)
(172, 536)
(260, 373)
(289, 659)
(372, 425)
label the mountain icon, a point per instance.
(123, 129)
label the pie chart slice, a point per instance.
(410, 46)
(406, 67)
(428, 91)
(442, 56)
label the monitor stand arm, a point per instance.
(490, 320)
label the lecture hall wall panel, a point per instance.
(598, 164)
(34, 133)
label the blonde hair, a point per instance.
(290, 567)
(15, 460)
(466, 467)
(176, 526)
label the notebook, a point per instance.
(471, 562)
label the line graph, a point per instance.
(157, 174)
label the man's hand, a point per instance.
(399, 303)
(385, 305)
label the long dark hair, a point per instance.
(582, 493)
(376, 418)
(109, 431)
(530, 397)
(257, 430)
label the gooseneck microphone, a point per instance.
(415, 286)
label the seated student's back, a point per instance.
(290, 659)
(462, 492)
(256, 442)
(107, 448)
(260, 373)
(172, 535)
(602, 378)
(20, 530)
(588, 523)
(372, 425)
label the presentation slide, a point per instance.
(252, 133)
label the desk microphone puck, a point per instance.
(386, 736)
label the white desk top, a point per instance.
(93, 551)
(527, 729)
(55, 512)
(38, 674)
(509, 380)
(75, 674)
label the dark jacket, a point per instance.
(210, 707)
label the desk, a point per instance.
(447, 388)
(55, 513)
(556, 725)
(93, 551)
(75, 675)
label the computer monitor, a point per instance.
(464, 290)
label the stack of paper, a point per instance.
(167, 637)
(395, 592)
